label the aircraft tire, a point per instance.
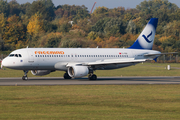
(92, 77)
(66, 76)
(25, 78)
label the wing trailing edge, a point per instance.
(116, 61)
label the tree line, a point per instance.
(41, 24)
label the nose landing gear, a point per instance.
(25, 75)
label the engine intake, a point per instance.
(78, 71)
(40, 72)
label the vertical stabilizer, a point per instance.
(146, 38)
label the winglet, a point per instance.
(146, 38)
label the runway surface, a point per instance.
(85, 81)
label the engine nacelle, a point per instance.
(40, 72)
(78, 71)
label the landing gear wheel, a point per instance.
(92, 77)
(25, 78)
(25, 75)
(66, 76)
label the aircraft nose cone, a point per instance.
(4, 63)
(1, 64)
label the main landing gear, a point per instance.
(66, 76)
(25, 75)
(92, 77)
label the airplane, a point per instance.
(80, 62)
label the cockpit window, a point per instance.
(15, 55)
(11, 55)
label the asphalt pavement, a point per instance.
(84, 81)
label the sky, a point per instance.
(105, 3)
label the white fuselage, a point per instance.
(58, 58)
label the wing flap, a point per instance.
(116, 61)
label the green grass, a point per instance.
(90, 102)
(146, 69)
(87, 102)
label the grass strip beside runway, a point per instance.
(90, 102)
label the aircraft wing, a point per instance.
(116, 61)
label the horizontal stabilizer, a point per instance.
(161, 54)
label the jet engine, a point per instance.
(78, 71)
(40, 72)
